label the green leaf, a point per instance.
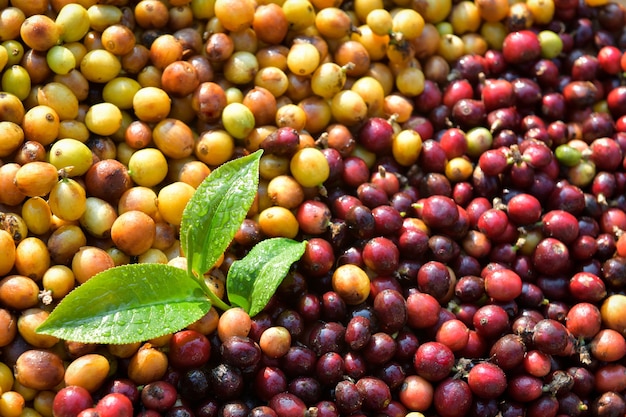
(128, 303)
(252, 281)
(217, 209)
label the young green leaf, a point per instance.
(217, 209)
(252, 281)
(127, 304)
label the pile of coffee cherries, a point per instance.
(458, 169)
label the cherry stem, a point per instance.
(322, 140)
(561, 380)
(349, 66)
(215, 300)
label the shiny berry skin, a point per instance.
(333, 306)
(550, 337)
(309, 307)
(436, 279)
(524, 209)
(452, 398)
(413, 243)
(358, 332)
(380, 348)
(268, 382)
(262, 411)
(392, 373)
(453, 142)
(376, 135)
(71, 400)
(454, 334)
(159, 396)
(457, 90)
(123, 386)
(520, 47)
(299, 360)
(439, 211)
(387, 219)
(92, 412)
(227, 382)
(307, 388)
(361, 222)
(493, 161)
(468, 113)
(469, 288)
(375, 393)
(194, 384)
(561, 225)
(313, 217)
(286, 404)
(189, 349)
(609, 59)
(433, 361)
(422, 310)
(240, 351)
(329, 368)
(525, 388)
(114, 405)
(503, 285)
(234, 408)
(318, 258)
(327, 337)
(508, 351)
(390, 308)
(497, 93)
(493, 222)
(487, 380)
(354, 364)
(490, 321)
(583, 320)
(551, 257)
(355, 171)
(347, 396)
(586, 286)
(381, 255)
(207, 408)
(284, 141)
(386, 180)
(609, 403)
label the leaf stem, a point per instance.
(215, 300)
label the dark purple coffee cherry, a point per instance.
(375, 393)
(347, 397)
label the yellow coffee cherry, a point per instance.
(72, 156)
(103, 119)
(309, 167)
(7, 248)
(172, 200)
(147, 167)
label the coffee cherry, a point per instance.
(226, 381)
(18, 292)
(39, 369)
(286, 404)
(147, 365)
(452, 391)
(278, 221)
(309, 167)
(114, 404)
(233, 322)
(275, 341)
(375, 393)
(241, 352)
(188, 349)
(351, 283)
(159, 396)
